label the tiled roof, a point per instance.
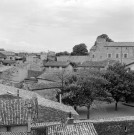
(50, 76)
(4, 68)
(7, 53)
(56, 64)
(82, 128)
(25, 94)
(119, 44)
(9, 61)
(99, 64)
(13, 133)
(15, 111)
(41, 86)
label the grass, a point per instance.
(103, 110)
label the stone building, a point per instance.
(119, 51)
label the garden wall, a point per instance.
(124, 127)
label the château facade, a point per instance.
(120, 51)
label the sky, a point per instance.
(58, 25)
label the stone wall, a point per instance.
(115, 127)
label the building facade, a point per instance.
(119, 51)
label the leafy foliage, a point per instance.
(83, 88)
(106, 37)
(65, 53)
(80, 49)
(121, 82)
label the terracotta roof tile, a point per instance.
(40, 86)
(15, 111)
(81, 128)
(56, 64)
(7, 53)
(25, 94)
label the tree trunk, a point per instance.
(60, 98)
(116, 105)
(88, 112)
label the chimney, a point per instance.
(70, 119)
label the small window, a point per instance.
(125, 55)
(116, 47)
(117, 55)
(107, 48)
(126, 48)
(109, 55)
(93, 56)
(8, 128)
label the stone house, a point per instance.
(119, 51)
(54, 66)
(7, 55)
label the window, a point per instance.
(109, 55)
(117, 55)
(125, 55)
(93, 56)
(8, 129)
(116, 47)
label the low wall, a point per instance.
(123, 127)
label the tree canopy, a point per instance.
(80, 49)
(106, 37)
(83, 88)
(121, 82)
(65, 53)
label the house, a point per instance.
(70, 127)
(100, 65)
(48, 111)
(15, 112)
(53, 66)
(120, 51)
(8, 55)
(9, 62)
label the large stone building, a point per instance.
(120, 51)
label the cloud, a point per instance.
(48, 24)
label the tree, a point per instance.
(80, 49)
(65, 53)
(106, 37)
(84, 88)
(120, 80)
(61, 76)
